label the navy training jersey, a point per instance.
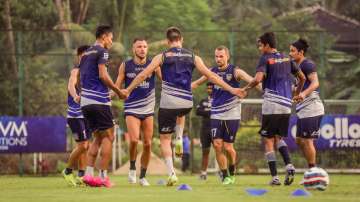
(224, 105)
(176, 69)
(277, 84)
(93, 90)
(307, 67)
(142, 99)
(74, 109)
(312, 105)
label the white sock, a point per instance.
(179, 130)
(169, 165)
(89, 171)
(103, 174)
(203, 172)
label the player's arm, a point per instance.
(198, 82)
(158, 73)
(298, 96)
(105, 78)
(121, 76)
(242, 75)
(259, 77)
(155, 63)
(313, 78)
(216, 79)
(73, 79)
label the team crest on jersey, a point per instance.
(229, 77)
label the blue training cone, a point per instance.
(161, 182)
(256, 192)
(300, 192)
(184, 187)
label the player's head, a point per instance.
(173, 35)
(80, 52)
(104, 34)
(209, 88)
(298, 49)
(266, 42)
(222, 56)
(140, 48)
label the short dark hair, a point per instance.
(138, 39)
(268, 38)
(301, 45)
(173, 34)
(102, 29)
(222, 47)
(81, 49)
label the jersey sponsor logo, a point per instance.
(272, 61)
(139, 69)
(90, 52)
(172, 54)
(144, 84)
(131, 75)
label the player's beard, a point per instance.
(140, 57)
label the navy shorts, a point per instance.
(274, 124)
(224, 129)
(99, 117)
(138, 116)
(79, 128)
(167, 119)
(308, 127)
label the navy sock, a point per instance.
(142, 173)
(224, 173)
(81, 173)
(271, 159)
(232, 170)
(285, 154)
(272, 167)
(132, 165)
(311, 165)
(68, 171)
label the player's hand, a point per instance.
(194, 85)
(299, 98)
(123, 93)
(77, 99)
(240, 92)
(112, 94)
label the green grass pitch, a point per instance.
(345, 188)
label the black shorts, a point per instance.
(224, 129)
(138, 116)
(205, 139)
(99, 117)
(274, 124)
(79, 128)
(308, 127)
(167, 119)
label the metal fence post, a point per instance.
(20, 90)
